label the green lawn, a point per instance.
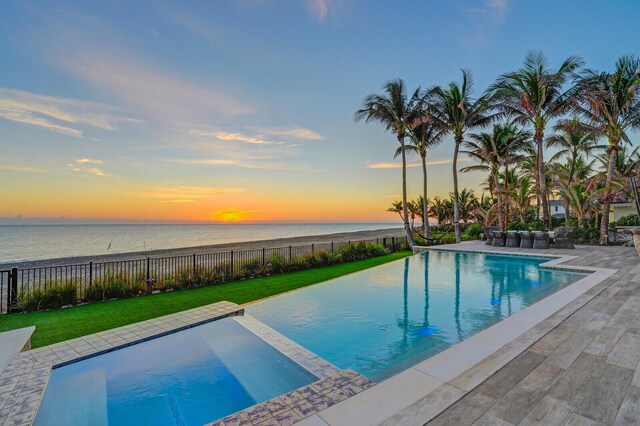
(62, 324)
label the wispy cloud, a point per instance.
(500, 7)
(185, 193)
(23, 169)
(227, 136)
(263, 165)
(87, 166)
(88, 161)
(319, 8)
(62, 115)
(292, 132)
(151, 91)
(415, 164)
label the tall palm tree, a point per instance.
(423, 137)
(467, 202)
(609, 106)
(521, 195)
(535, 95)
(455, 109)
(500, 148)
(396, 112)
(572, 142)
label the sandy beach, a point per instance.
(279, 242)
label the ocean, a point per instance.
(36, 242)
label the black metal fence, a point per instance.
(233, 264)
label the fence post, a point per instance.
(148, 271)
(313, 250)
(90, 274)
(394, 244)
(232, 265)
(331, 246)
(194, 263)
(263, 256)
(289, 253)
(13, 289)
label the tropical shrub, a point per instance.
(52, 295)
(473, 232)
(516, 225)
(628, 220)
(115, 286)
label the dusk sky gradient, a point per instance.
(243, 110)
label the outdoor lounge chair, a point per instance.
(564, 237)
(513, 239)
(540, 240)
(488, 231)
(526, 239)
(499, 238)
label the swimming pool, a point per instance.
(383, 320)
(187, 378)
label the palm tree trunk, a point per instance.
(407, 227)
(572, 170)
(500, 212)
(606, 205)
(542, 182)
(506, 196)
(456, 206)
(425, 213)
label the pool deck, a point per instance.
(576, 366)
(572, 358)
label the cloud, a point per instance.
(226, 136)
(22, 169)
(415, 164)
(88, 161)
(153, 92)
(292, 132)
(243, 164)
(319, 8)
(498, 6)
(62, 115)
(185, 193)
(85, 167)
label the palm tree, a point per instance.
(396, 111)
(396, 207)
(493, 150)
(534, 95)
(454, 109)
(609, 107)
(439, 210)
(422, 138)
(467, 202)
(521, 195)
(572, 142)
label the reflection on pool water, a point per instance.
(385, 319)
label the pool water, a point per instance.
(383, 320)
(190, 377)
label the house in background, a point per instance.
(621, 209)
(557, 208)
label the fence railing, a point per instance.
(233, 264)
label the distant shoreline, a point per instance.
(214, 248)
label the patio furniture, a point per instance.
(499, 238)
(564, 237)
(513, 239)
(540, 240)
(526, 239)
(488, 231)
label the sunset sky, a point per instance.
(243, 110)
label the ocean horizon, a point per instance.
(28, 242)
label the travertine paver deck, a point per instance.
(301, 403)
(582, 371)
(23, 381)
